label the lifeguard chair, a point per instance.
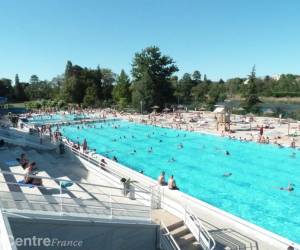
(222, 117)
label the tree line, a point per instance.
(151, 82)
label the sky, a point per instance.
(220, 38)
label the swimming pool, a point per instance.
(250, 192)
(41, 119)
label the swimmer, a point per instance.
(180, 146)
(160, 140)
(114, 158)
(171, 160)
(227, 152)
(133, 152)
(227, 174)
(150, 150)
(289, 188)
(141, 171)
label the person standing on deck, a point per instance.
(84, 145)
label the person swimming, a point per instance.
(289, 188)
(133, 152)
(227, 174)
(171, 160)
(150, 150)
(227, 152)
(180, 146)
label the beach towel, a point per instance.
(23, 184)
(65, 184)
(12, 163)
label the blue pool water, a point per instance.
(41, 119)
(250, 193)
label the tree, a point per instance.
(90, 97)
(19, 92)
(108, 78)
(34, 79)
(68, 70)
(74, 90)
(252, 98)
(121, 91)
(199, 93)
(150, 65)
(6, 89)
(143, 92)
(196, 76)
(217, 93)
(185, 87)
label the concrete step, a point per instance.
(180, 231)
(175, 225)
(185, 241)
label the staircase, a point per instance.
(179, 232)
(183, 236)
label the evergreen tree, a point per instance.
(150, 65)
(252, 98)
(19, 92)
(121, 91)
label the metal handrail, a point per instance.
(208, 242)
(111, 163)
(172, 242)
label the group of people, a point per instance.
(30, 170)
(171, 182)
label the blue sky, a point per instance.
(222, 38)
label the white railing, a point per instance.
(167, 240)
(54, 200)
(111, 166)
(202, 236)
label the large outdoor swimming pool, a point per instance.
(250, 193)
(41, 119)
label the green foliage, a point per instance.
(153, 83)
(251, 95)
(19, 90)
(90, 97)
(87, 86)
(6, 88)
(121, 92)
(143, 92)
(152, 73)
(216, 94)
